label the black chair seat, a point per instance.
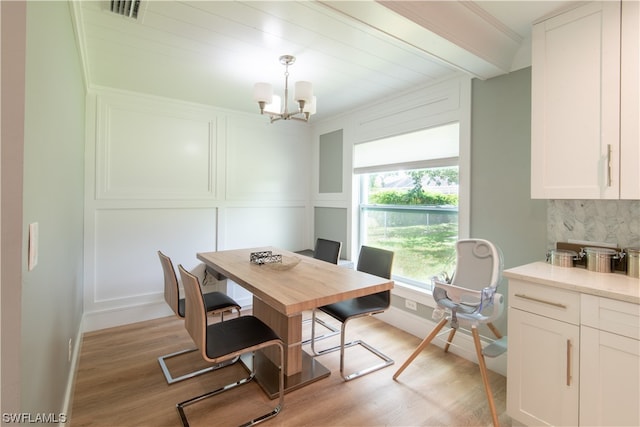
(236, 335)
(361, 306)
(214, 301)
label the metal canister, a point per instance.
(600, 259)
(562, 258)
(633, 262)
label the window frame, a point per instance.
(437, 104)
(393, 167)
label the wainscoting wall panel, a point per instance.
(144, 152)
(284, 227)
(126, 242)
(167, 175)
(259, 161)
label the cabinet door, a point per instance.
(575, 130)
(630, 103)
(543, 370)
(610, 379)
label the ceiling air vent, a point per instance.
(127, 8)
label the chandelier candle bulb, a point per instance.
(275, 106)
(310, 107)
(304, 91)
(263, 92)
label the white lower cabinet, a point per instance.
(573, 359)
(543, 368)
(610, 363)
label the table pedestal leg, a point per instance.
(289, 328)
(299, 367)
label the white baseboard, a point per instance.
(463, 344)
(96, 320)
(71, 380)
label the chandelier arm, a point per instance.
(303, 118)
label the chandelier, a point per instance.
(271, 104)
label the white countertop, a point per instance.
(609, 285)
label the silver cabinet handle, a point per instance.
(568, 362)
(555, 304)
(608, 165)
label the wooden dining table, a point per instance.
(281, 292)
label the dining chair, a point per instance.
(215, 302)
(471, 299)
(328, 251)
(373, 261)
(224, 341)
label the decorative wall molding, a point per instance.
(125, 244)
(280, 226)
(153, 151)
(163, 174)
(409, 112)
(258, 161)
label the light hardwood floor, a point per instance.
(119, 383)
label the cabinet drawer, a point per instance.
(618, 317)
(545, 301)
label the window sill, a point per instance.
(414, 293)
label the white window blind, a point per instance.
(433, 147)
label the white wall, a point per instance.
(182, 178)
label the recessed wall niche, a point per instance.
(330, 164)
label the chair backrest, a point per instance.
(375, 261)
(478, 264)
(195, 319)
(171, 290)
(327, 250)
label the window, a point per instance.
(408, 200)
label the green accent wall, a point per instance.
(330, 164)
(52, 293)
(501, 207)
(331, 223)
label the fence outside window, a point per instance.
(422, 237)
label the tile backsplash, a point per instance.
(610, 221)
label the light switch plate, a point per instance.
(33, 245)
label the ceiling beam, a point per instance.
(460, 34)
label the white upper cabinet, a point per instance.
(577, 143)
(630, 102)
